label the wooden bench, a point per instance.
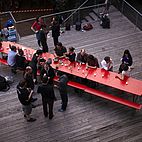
(112, 98)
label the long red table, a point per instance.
(129, 84)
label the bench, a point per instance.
(3, 61)
(112, 98)
(72, 84)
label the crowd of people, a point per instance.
(26, 87)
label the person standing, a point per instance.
(36, 28)
(34, 62)
(48, 97)
(43, 40)
(63, 80)
(24, 96)
(55, 31)
(12, 58)
(48, 71)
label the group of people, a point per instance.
(41, 30)
(26, 87)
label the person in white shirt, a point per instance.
(12, 58)
(107, 64)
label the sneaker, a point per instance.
(50, 117)
(33, 106)
(61, 110)
(34, 99)
(31, 120)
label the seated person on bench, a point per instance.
(123, 70)
(82, 56)
(60, 50)
(71, 54)
(21, 61)
(92, 62)
(107, 64)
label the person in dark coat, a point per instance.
(48, 71)
(127, 58)
(48, 97)
(60, 50)
(92, 61)
(25, 96)
(34, 62)
(63, 80)
(71, 54)
(21, 61)
(43, 40)
(82, 56)
(55, 31)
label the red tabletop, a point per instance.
(129, 84)
(73, 68)
(99, 75)
(28, 52)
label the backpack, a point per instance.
(4, 86)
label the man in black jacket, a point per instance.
(63, 80)
(48, 97)
(48, 71)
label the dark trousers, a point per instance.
(64, 98)
(55, 39)
(13, 69)
(50, 107)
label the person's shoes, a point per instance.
(61, 110)
(33, 99)
(50, 117)
(46, 115)
(33, 106)
(31, 120)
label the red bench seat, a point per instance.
(113, 98)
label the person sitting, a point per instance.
(82, 56)
(60, 50)
(71, 54)
(92, 62)
(123, 70)
(48, 71)
(107, 63)
(12, 58)
(127, 59)
(21, 61)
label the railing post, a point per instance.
(136, 22)
(122, 8)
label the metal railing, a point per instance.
(69, 16)
(132, 14)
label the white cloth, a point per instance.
(106, 65)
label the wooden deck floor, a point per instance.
(87, 119)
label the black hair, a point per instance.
(72, 49)
(21, 52)
(39, 52)
(22, 83)
(107, 58)
(59, 44)
(13, 47)
(44, 79)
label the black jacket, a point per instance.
(63, 80)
